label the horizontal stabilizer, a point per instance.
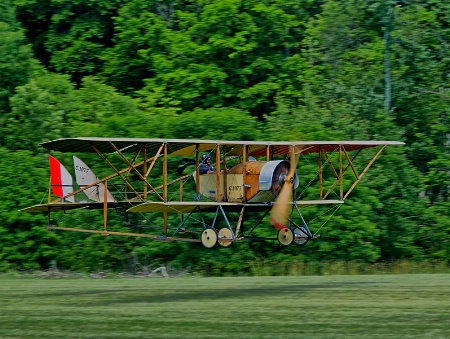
(64, 206)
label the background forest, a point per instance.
(231, 69)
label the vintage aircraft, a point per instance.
(250, 177)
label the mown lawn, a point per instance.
(372, 306)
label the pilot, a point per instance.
(205, 166)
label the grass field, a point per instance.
(372, 306)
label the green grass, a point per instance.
(359, 306)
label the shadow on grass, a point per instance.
(150, 296)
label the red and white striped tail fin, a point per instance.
(85, 177)
(61, 180)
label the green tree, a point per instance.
(15, 53)
(204, 55)
(25, 243)
(345, 100)
(70, 37)
(41, 110)
(419, 42)
(306, 70)
(216, 123)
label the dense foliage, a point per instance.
(231, 69)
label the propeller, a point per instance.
(279, 215)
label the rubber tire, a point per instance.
(209, 237)
(286, 236)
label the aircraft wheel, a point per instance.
(300, 236)
(227, 234)
(285, 236)
(209, 237)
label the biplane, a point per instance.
(162, 176)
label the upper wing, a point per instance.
(187, 147)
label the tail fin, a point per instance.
(61, 180)
(85, 177)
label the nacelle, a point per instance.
(252, 181)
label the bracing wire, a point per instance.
(314, 177)
(335, 210)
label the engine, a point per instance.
(253, 181)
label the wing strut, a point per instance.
(364, 171)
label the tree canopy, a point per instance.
(232, 69)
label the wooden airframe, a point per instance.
(259, 171)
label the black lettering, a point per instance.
(82, 169)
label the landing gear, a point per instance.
(285, 236)
(209, 237)
(225, 237)
(301, 236)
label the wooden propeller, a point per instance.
(279, 215)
